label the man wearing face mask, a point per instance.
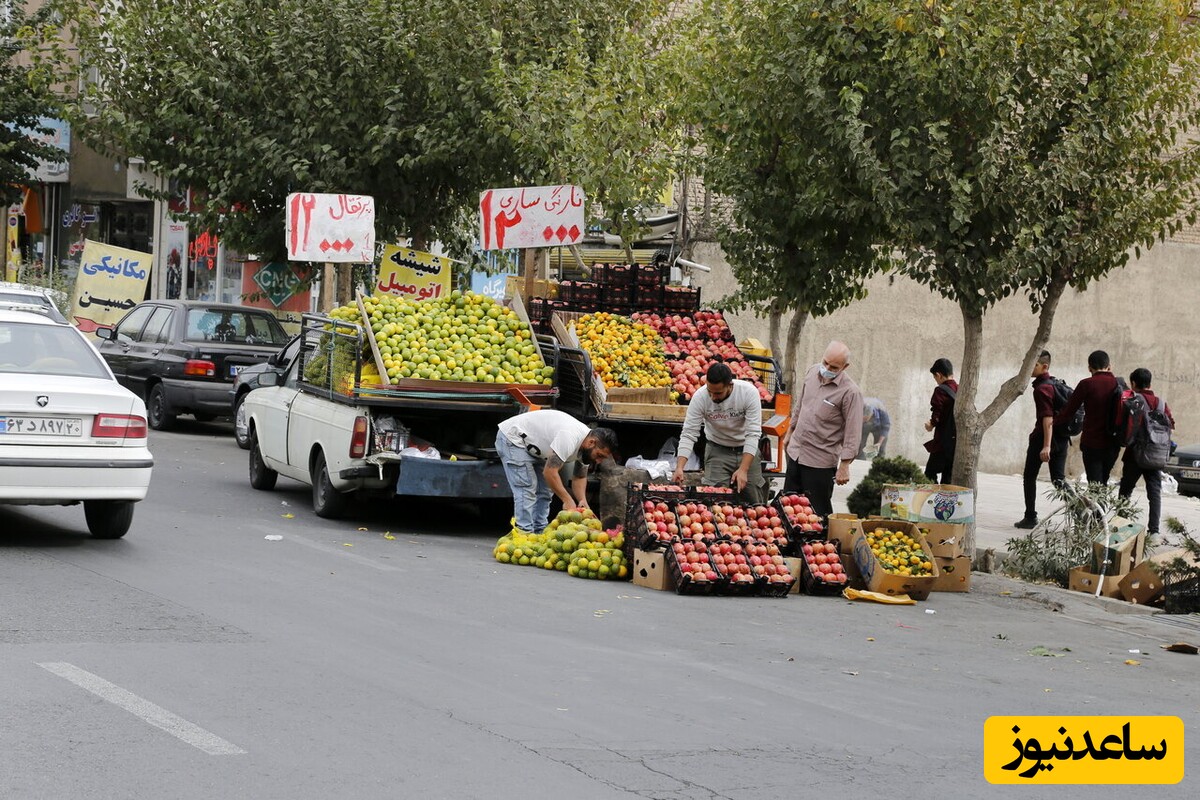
(826, 425)
(534, 447)
(731, 413)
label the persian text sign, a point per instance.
(412, 274)
(330, 227)
(1063, 750)
(111, 281)
(539, 216)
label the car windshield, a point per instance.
(234, 326)
(35, 349)
(29, 298)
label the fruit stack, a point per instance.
(616, 287)
(767, 562)
(649, 284)
(624, 353)
(800, 520)
(582, 295)
(574, 542)
(690, 562)
(731, 560)
(694, 341)
(681, 298)
(821, 569)
(899, 553)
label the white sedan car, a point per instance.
(69, 433)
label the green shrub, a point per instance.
(866, 498)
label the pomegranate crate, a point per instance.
(613, 275)
(777, 581)
(798, 531)
(681, 298)
(685, 582)
(810, 583)
(731, 562)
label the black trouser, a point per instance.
(1033, 465)
(1098, 462)
(937, 469)
(1129, 478)
(815, 483)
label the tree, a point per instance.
(25, 98)
(410, 101)
(804, 225)
(1012, 148)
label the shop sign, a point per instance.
(413, 274)
(278, 281)
(111, 281)
(538, 216)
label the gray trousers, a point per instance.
(720, 462)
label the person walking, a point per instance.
(534, 447)
(878, 424)
(1131, 470)
(1099, 396)
(1047, 444)
(824, 429)
(730, 412)
(941, 422)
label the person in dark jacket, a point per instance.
(1099, 397)
(1047, 443)
(1139, 380)
(941, 422)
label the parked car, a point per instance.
(31, 295)
(182, 355)
(251, 378)
(69, 433)
(1184, 467)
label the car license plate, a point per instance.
(42, 426)
(1190, 474)
(234, 369)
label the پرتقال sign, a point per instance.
(538, 216)
(337, 228)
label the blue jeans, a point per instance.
(531, 493)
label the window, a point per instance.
(234, 326)
(47, 350)
(129, 327)
(158, 329)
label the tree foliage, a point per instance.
(421, 104)
(25, 98)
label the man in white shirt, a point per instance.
(731, 413)
(534, 447)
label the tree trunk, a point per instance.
(971, 423)
(345, 284)
(794, 329)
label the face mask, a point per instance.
(826, 374)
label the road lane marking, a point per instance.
(143, 709)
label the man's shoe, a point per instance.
(1026, 523)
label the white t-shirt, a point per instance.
(545, 431)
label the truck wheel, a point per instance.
(328, 502)
(261, 476)
(241, 423)
(108, 519)
(160, 419)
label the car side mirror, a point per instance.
(268, 378)
(107, 333)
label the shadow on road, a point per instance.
(18, 529)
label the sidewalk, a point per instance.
(1000, 503)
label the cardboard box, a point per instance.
(1081, 580)
(945, 539)
(841, 526)
(650, 570)
(1119, 549)
(927, 503)
(876, 579)
(1142, 585)
(954, 574)
(793, 565)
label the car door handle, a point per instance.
(155, 352)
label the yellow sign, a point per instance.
(1077, 750)
(412, 274)
(111, 281)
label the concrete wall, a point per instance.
(1145, 315)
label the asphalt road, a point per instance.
(388, 656)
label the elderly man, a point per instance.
(826, 424)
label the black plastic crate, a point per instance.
(681, 299)
(795, 533)
(648, 298)
(810, 584)
(614, 275)
(616, 295)
(684, 584)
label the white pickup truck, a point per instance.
(427, 438)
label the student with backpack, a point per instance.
(1146, 423)
(941, 422)
(1047, 442)
(1098, 396)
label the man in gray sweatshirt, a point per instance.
(731, 412)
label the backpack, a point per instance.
(1149, 432)
(1062, 393)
